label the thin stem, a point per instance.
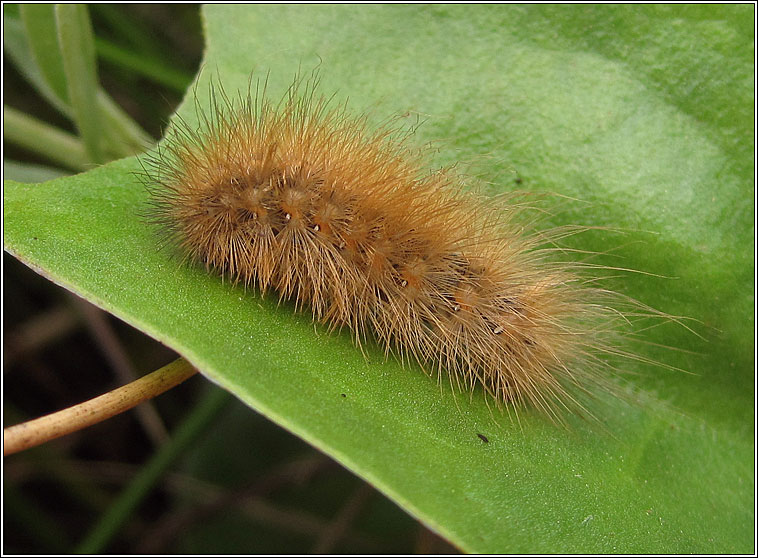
(110, 345)
(35, 432)
(124, 135)
(47, 140)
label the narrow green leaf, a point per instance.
(43, 139)
(143, 65)
(17, 48)
(78, 51)
(121, 135)
(130, 29)
(125, 136)
(42, 35)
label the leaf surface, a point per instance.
(643, 111)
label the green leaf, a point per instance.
(143, 65)
(44, 139)
(16, 45)
(640, 110)
(119, 135)
(77, 48)
(42, 35)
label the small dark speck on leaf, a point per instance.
(483, 438)
(518, 180)
(343, 395)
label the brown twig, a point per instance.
(34, 432)
(104, 335)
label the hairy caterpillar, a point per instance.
(300, 197)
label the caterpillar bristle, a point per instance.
(301, 197)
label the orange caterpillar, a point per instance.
(302, 198)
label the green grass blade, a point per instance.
(130, 29)
(125, 136)
(41, 33)
(17, 47)
(143, 65)
(80, 66)
(44, 139)
(121, 135)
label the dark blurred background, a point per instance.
(245, 486)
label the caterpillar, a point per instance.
(303, 198)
